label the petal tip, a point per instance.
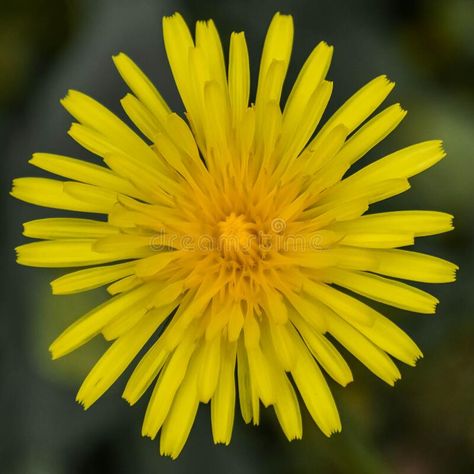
(54, 353)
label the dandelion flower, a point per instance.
(235, 241)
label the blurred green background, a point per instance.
(423, 426)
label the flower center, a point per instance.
(238, 240)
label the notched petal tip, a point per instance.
(325, 44)
(34, 157)
(435, 306)
(53, 352)
(345, 383)
(121, 60)
(18, 252)
(450, 223)
(147, 434)
(416, 358)
(54, 355)
(169, 453)
(441, 146)
(54, 289)
(335, 431)
(176, 16)
(24, 226)
(130, 397)
(400, 110)
(70, 93)
(331, 430)
(69, 100)
(284, 15)
(119, 56)
(394, 380)
(386, 80)
(14, 186)
(223, 442)
(80, 400)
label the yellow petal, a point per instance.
(217, 119)
(295, 135)
(92, 140)
(101, 197)
(90, 278)
(152, 265)
(151, 184)
(357, 108)
(169, 293)
(373, 132)
(283, 345)
(92, 323)
(419, 223)
(385, 290)
(69, 253)
(275, 307)
(287, 409)
(145, 372)
(236, 322)
(320, 155)
(381, 240)
(80, 170)
(315, 391)
(309, 309)
(207, 39)
(125, 284)
(117, 358)
(192, 307)
(277, 48)
(178, 42)
(94, 115)
(390, 338)
(248, 409)
(399, 165)
(143, 176)
(285, 401)
(172, 155)
(124, 243)
(179, 131)
(347, 307)
(370, 355)
(223, 400)
(141, 86)
(180, 419)
(166, 387)
(414, 266)
(209, 368)
(259, 367)
(269, 133)
(67, 228)
(140, 116)
(124, 322)
(312, 73)
(51, 193)
(324, 352)
(372, 192)
(239, 77)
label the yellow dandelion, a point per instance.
(231, 237)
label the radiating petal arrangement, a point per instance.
(234, 241)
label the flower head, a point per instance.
(231, 237)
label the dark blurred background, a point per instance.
(423, 426)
